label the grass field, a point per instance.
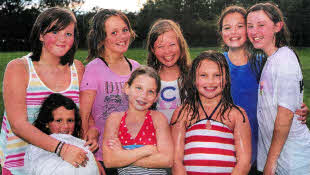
(140, 55)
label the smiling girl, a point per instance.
(101, 88)
(283, 143)
(245, 65)
(29, 80)
(138, 141)
(211, 135)
(168, 54)
(59, 117)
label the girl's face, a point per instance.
(58, 43)
(63, 122)
(234, 30)
(209, 80)
(117, 35)
(261, 31)
(167, 49)
(142, 92)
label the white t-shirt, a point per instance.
(41, 162)
(169, 98)
(281, 85)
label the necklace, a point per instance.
(208, 124)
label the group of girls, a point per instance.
(213, 105)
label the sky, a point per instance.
(129, 5)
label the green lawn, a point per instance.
(140, 55)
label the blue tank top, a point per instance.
(244, 89)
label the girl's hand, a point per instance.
(91, 138)
(151, 148)
(74, 155)
(114, 144)
(92, 145)
(303, 113)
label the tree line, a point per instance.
(198, 19)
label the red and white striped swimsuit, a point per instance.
(209, 151)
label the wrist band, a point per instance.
(60, 148)
(57, 146)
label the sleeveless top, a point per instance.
(168, 98)
(12, 148)
(209, 151)
(146, 136)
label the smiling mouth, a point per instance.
(209, 89)
(142, 103)
(121, 44)
(257, 38)
(64, 132)
(61, 46)
(235, 38)
(168, 58)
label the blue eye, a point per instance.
(125, 30)
(113, 33)
(69, 34)
(71, 120)
(58, 121)
(54, 32)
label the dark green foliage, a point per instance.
(197, 18)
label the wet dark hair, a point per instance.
(159, 27)
(282, 38)
(51, 103)
(53, 19)
(192, 102)
(145, 70)
(97, 32)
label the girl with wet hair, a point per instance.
(210, 133)
(168, 54)
(105, 75)
(284, 142)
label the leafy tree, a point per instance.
(74, 5)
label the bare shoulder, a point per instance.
(115, 117)
(78, 64)
(18, 69)
(80, 68)
(18, 63)
(236, 116)
(158, 117)
(180, 115)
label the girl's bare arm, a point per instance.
(242, 136)
(178, 137)
(113, 153)
(15, 83)
(163, 157)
